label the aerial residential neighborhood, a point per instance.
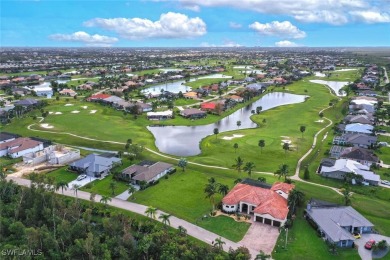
(191, 129)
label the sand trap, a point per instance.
(58, 113)
(231, 137)
(46, 126)
(85, 107)
(286, 137)
(319, 121)
(51, 113)
(75, 112)
(92, 111)
(67, 105)
(286, 141)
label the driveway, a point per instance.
(82, 182)
(366, 254)
(261, 237)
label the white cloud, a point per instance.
(334, 12)
(286, 44)
(235, 25)
(170, 25)
(226, 43)
(90, 40)
(371, 16)
(279, 29)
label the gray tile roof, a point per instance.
(94, 163)
(332, 221)
(146, 172)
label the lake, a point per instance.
(177, 86)
(185, 140)
(334, 85)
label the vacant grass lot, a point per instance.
(102, 187)
(62, 174)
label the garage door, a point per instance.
(267, 221)
(259, 219)
(276, 224)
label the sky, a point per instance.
(194, 23)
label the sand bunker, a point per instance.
(85, 107)
(75, 112)
(67, 105)
(51, 113)
(319, 121)
(286, 137)
(286, 141)
(58, 113)
(92, 111)
(46, 126)
(231, 137)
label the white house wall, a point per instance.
(31, 150)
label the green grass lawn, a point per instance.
(185, 102)
(225, 227)
(102, 187)
(304, 243)
(6, 162)
(63, 175)
(343, 75)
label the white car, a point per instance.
(385, 182)
(81, 177)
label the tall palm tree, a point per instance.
(249, 166)
(105, 199)
(295, 198)
(76, 187)
(238, 124)
(282, 171)
(113, 186)
(347, 195)
(165, 219)
(211, 189)
(302, 129)
(286, 147)
(216, 132)
(223, 189)
(218, 243)
(238, 164)
(235, 146)
(261, 144)
(61, 185)
(151, 212)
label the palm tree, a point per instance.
(262, 179)
(238, 164)
(295, 198)
(105, 199)
(182, 230)
(165, 219)
(235, 146)
(282, 171)
(286, 147)
(237, 180)
(92, 197)
(238, 123)
(262, 256)
(182, 163)
(261, 144)
(62, 185)
(302, 129)
(113, 187)
(218, 243)
(151, 212)
(249, 166)
(216, 132)
(211, 189)
(347, 195)
(76, 187)
(223, 189)
(131, 189)
(258, 109)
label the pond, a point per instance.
(177, 86)
(185, 140)
(334, 85)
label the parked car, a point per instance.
(357, 235)
(81, 177)
(369, 244)
(385, 182)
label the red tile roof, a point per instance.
(267, 201)
(208, 105)
(99, 96)
(19, 144)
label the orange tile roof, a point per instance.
(19, 144)
(267, 201)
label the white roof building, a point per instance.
(359, 128)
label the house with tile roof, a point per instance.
(20, 146)
(267, 204)
(95, 165)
